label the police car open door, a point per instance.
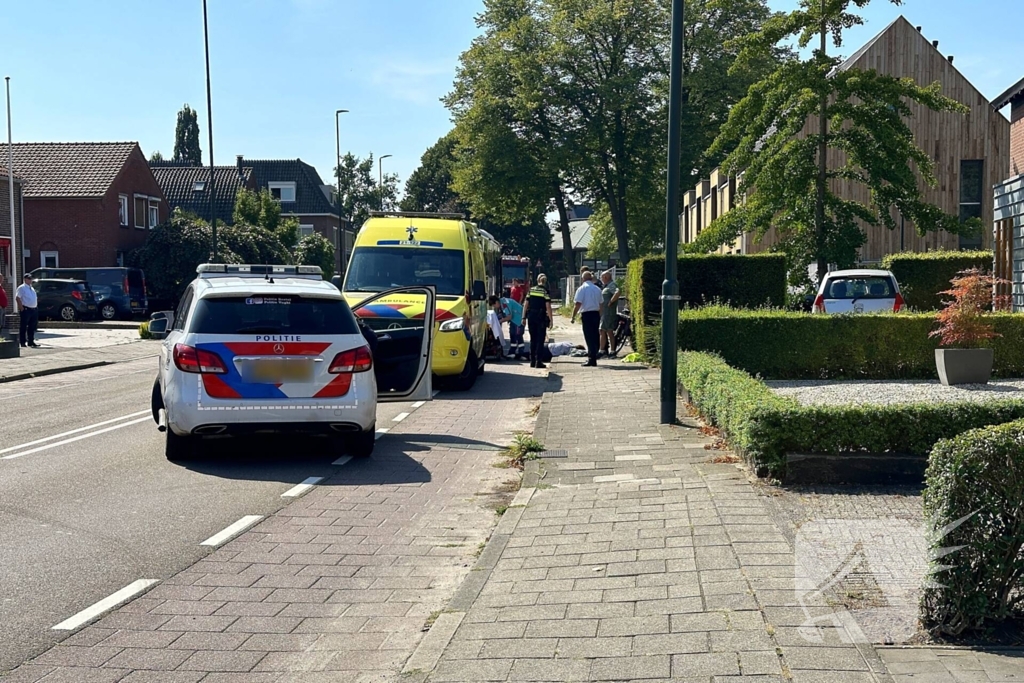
(401, 361)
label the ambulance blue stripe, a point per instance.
(388, 243)
(432, 244)
(234, 380)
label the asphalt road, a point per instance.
(90, 504)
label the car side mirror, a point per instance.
(479, 290)
(158, 328)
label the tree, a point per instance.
(186, 137)
(253, 244)
(532, 239)
(429, 188)
(257, 207)
(316, 250)
(786, 175)
(360, 190)
(156, 156)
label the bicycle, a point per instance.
(624, 332)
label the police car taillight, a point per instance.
(190, 359)
(353, 360)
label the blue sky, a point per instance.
(121, 69)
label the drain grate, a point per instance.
(558, 453)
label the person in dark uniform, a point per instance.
(539, 318)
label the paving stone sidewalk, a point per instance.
(65, 350)
(340, 585)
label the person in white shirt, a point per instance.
(588, 307)
(27, 303)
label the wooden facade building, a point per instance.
(971, 154)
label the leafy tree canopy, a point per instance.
(361, 191)
(316, 250)
(186, 137)
(429, 188)
(156, 156)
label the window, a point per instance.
(199, 186)
(154, 213)
(49, 259)
(140, 212)
(273, 314)
(972, 183)
(374, 269)
(181, 313)
(305, 230)
(122, 210)
(282, 191)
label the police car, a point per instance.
(256, 349)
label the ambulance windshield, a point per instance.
(374, 269)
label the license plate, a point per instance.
(135, 304)
(278, 371)
(91, 308)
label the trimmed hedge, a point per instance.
(739, 280)
(785, 345)
(977, 477)
(923, 276)
(764, 427)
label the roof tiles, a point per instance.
(70, 169)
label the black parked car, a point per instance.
(65, 300)
(120, 292)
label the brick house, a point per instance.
(186, 187)
(303, 195)
(86, 203)
(971, 154)
(11, 280)
(1015, 98)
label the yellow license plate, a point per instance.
(279, 371)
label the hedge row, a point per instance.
(764, 427)
(975, 489)
(783, 345)
(741, 281)
(923, 276)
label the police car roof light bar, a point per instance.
(207, 270)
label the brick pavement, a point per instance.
(339, 585)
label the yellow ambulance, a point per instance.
(397, 249)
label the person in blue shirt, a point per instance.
(511, 311)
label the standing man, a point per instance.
(588, 300)
(538, 318)
(27, 302)
(512, 311)
(518, 292)
(609, 313)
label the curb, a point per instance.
(61, 325)
(428, 653)
(54, 371)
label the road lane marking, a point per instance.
(77, 438)
(230, 532)
(299, 489)
(436, 392)
(380, 432)
(400, 417)
(73, 431)
(418, 404)
(343, 460)
(109, 602)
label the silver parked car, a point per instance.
(858, 291)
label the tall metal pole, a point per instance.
(10, 187)
(380, 178)
(822, 184)
(337, 174)
(670, 287)
(209, 123)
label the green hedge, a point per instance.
(764, 427)
(922, 276)
(978, 475)
(742, 281)
(784, 345)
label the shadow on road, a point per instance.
(496, 385)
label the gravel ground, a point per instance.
(825, 392)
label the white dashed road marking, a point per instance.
(418, 404)
(380, 432)
(73, 431)
(400, 417)
(77, 438)
(232, 531)
(109, 602)
(298, 490)
(343, 460)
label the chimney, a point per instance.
(950, 58)
(918, 29)
(935, 43)
(238, 164)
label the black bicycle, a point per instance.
(624, 332)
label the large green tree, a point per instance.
(316, 250)
(259, 208)
(186, 137)
(787, 173)
(429, 188)
(361, 192)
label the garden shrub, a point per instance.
(978, 475)
(764, 426)
(924, 276)
(779, 344)
(742, 281)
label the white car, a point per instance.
(276, 349)
(858, 291)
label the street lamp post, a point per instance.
(670, 287)
(337, 173)
(209, 123)
(380, 178)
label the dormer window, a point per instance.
(199, 186)
(282, 191)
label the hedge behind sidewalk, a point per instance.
(975, 489)
(923, 276)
